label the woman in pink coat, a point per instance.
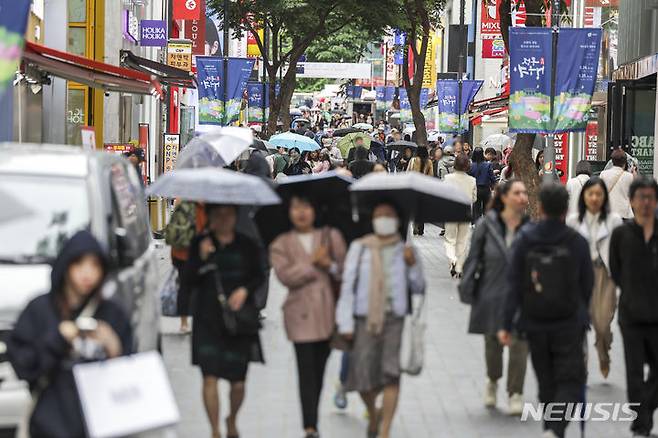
(309, 261)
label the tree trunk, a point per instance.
(418, 117)
(521, 157)
(414, 88)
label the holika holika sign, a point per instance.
(531, 62)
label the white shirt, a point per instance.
(618, 182)
(306, 239)
(574, 187)
(593, 223)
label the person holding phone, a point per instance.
(69, 325)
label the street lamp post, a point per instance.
(462, 19)
(549, 152)
(225, 63)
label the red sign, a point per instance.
(492, 39)
(592, 141)
(195, 31)
(187, 9)
(519, 13)
(561, 143)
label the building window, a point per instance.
(75, 114)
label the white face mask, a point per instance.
(385, 225)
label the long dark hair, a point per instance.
(478, 155)
(423, 154)
(582, 208)
(496, 204)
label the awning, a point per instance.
(48, 61)
(638, 69)
(166, 74)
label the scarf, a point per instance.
(376, 298)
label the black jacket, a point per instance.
(542, 233)
(634, 267)
(41, 356)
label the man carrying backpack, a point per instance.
(551, 280)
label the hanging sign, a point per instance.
(170, 149)
(153, 33)
(493, 45)
(187, 9)
(179, 54)
(448, 94)
(212, 108)
(195, 31)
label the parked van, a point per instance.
(47, 193)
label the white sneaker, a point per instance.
(490, 394)
(515, 404)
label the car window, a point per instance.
(127, 211)
(38, 214)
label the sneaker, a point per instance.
(340, 398)
(490, 394)
(516, 404)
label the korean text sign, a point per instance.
(449, 112)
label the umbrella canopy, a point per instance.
(348, 142)
(419, 197)
(401, 145)
(301, 120)
(291, 140)
(363, 126)
(216, 186)
(304, 108)
(215, 149)
(329, 193)
(295, 112)
(344, 131)
(497, 141)
(262, 145)
(433, 136)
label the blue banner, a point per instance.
(447, 92)
(210, 70)
(405, 106)
(399, 42)
(13, 21)
(530, 79)
(257, 96)
(384, 95)
(354, 91)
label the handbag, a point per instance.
(245, 321)
(169, 294)
(125, 395)
(412, 346)
(470, 282)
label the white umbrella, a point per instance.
(218, 148)
(363, 126)
(217, 186)
(497, 141)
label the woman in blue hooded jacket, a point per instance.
(49, 338)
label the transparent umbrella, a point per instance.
(215, 149)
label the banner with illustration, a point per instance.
(212, 108)
(259, 98)
(354, 91)
(530, 79)
(447, 91)
(384, 97)
(13, 21)
(405, 106)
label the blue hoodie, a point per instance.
(41, 356)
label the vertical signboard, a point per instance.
(195, 31)
(561, 142)
(170, 148)
(179, 54)
(493, 45)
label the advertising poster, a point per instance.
(561, 143)
(179, 54)
(592, 141)
(493, 45)
(429, 68)
(256, 98)
(212, 108)
(530, 79)
(447, 94)
(384, 97)
(170, 149)
(195, 31)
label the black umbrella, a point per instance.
(344, 131)
(419, 197)
(401, 145)
(329, 193)
(262, 145)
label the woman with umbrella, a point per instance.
(297, 166)
(309, 261)
(403, 161)
(380, 272)
(225, 325)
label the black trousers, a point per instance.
(311, 362)
(480, 206)
(184, 289)
(558, 358)
(640, 348)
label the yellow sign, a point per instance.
(252, 45)
(170, 148)
(429, 71)
(179, 54)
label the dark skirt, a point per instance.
(184, 288)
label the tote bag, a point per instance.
(125, 396)
(412, 348)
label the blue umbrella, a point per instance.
(291, 140)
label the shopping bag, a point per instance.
(412, 348)
(125, 396)
(169, 294)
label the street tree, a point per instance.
(292, 26)
(521, 156)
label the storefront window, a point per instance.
(640, 114)
(77, 38)
(75, 115)
(77, 11)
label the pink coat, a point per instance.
(309, 309)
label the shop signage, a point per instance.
(179, 54)
(429, 68)
(170, 148)
(130, 26)
(592, 141)
(530, 79)
(187, 9)
(335, 70)
(561, 144)
(195, 31)
(153, 33)
(448, 94)
(642, 148)
(493, 45)
(592, 17)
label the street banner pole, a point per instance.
(462, 19)
(226, 43)
(549, 152)
(265, 87)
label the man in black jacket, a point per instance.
(551, 280)
(634, 267)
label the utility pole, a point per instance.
(462, 19)
(265, 87)
(549, 152)
(225, 63)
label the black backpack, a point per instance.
(550, 283)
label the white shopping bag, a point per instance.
(126, 395)
(412, 348)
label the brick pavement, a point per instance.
(444, 402)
